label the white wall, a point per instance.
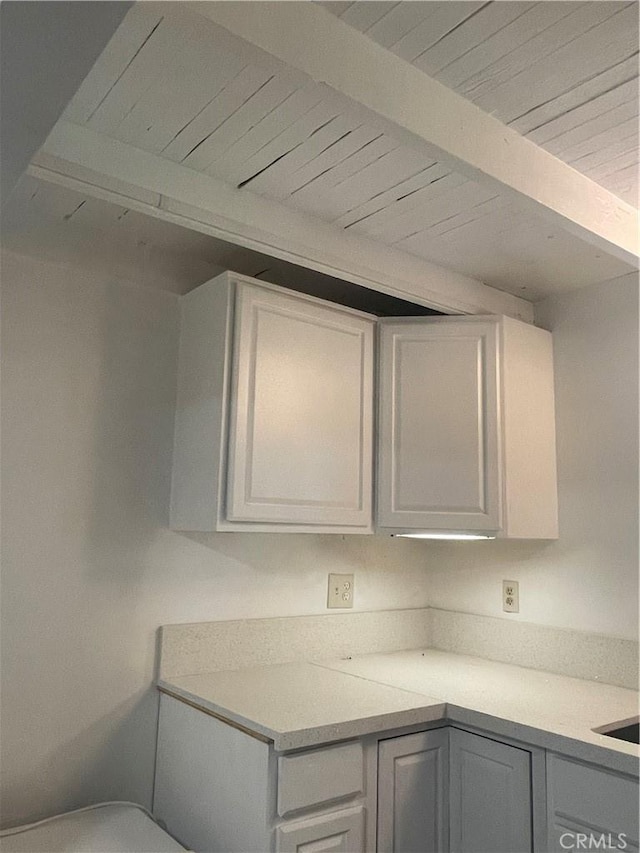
(46, 51)
(588, 580)
(90, 569)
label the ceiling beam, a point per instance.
(89, 162)
(422, 112)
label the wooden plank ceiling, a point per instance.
(563, 73)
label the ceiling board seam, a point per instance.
(386, 190)
(549, 57)
(455, 182)
(399, 34)
(284, 130)
(373, 23)
(269, 165)
(493, 61)
(566, 91)
(440, 221)
(254, 125)
(366, 166)
(293, 148)
(124, 70)
(240, 167)
(428, 184)
(489, 202)
(231, 144)
(334, 165)
(310, 162)
(208, 104)
(452, 30)
(226, 119)
(599, 148)
(611, 175)
(527, 8)
(616, 131)
(399, 198)
(330, 145)
(580, 106)
(67, 216)
(381, 18)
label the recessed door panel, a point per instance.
(438, 453)
(300, 437)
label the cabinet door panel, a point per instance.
(412, 793)
(490, 796)
(439, 463)
(338, 832)
(597, 807)
(301, 422)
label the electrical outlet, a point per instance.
(340, 592)
(510, 597)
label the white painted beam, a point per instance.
(90, 162)
(421, 111)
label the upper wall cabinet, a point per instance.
(466, 427)
(274, 412)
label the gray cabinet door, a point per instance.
(412, 793)
(589, 808)
(438, 464)
(490, 807)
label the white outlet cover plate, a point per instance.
(340, 591)
(510, 596)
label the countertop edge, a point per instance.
(431, 712)
(601, 755)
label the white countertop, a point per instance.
(305, 704)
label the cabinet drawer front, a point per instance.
(586, 800)
(301, 413)
(313, 778)
(338, 832)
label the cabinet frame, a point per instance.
(204, 412)
(520, 459)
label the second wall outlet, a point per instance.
(340, 591)
(510, 597)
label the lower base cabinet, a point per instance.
(219, 789)
(451, 790)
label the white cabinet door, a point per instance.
(439, 464)
(490, 805)
(412, 793)
(589, 808)
(274, 413)
(301, 416)
(338, 832)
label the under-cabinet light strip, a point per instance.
(452, 536)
